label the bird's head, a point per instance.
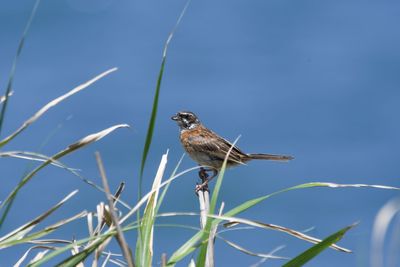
(186, 120)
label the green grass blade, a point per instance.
(153, 116)
(312, 252)
(150, 129)
(147, 224)
(250, 203)
(146, 148)
(191, 245)
(14, 64)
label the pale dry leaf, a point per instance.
(53, 103)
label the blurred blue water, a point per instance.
(314, 79)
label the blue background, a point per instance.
(315, 79)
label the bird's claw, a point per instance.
(203, 187)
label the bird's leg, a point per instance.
(203, 174)
(205, 178)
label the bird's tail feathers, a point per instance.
(270, 157)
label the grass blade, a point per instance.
(144, 258)
(250, 203)
(164, 192)
(47, 230)
(310, 253)
(77, 258)
(21, 231)
(150, 130)
(380, 234)
(75, 146)
(191, 245)
(279, 228)
(14, 64)
(22, 259)
(152, 122)
(251, 253)
(33, 156)
(149, 194)
(53, 103)
(153, 116)
(120, 236)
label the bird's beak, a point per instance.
(175, 118)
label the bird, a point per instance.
(209, 150)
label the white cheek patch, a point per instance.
(191, 126)
(187, 125)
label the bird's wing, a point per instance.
(217, 147)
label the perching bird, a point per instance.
(209, 149)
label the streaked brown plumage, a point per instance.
(209, 149)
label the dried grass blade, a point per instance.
(21, 260)
(45, 231)
(279, 228)
(120, 236)
(21, 231)
(251, 253)
(380, 229)
(39, 255)
(33, 156)
(81, 143)
(53, 103)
